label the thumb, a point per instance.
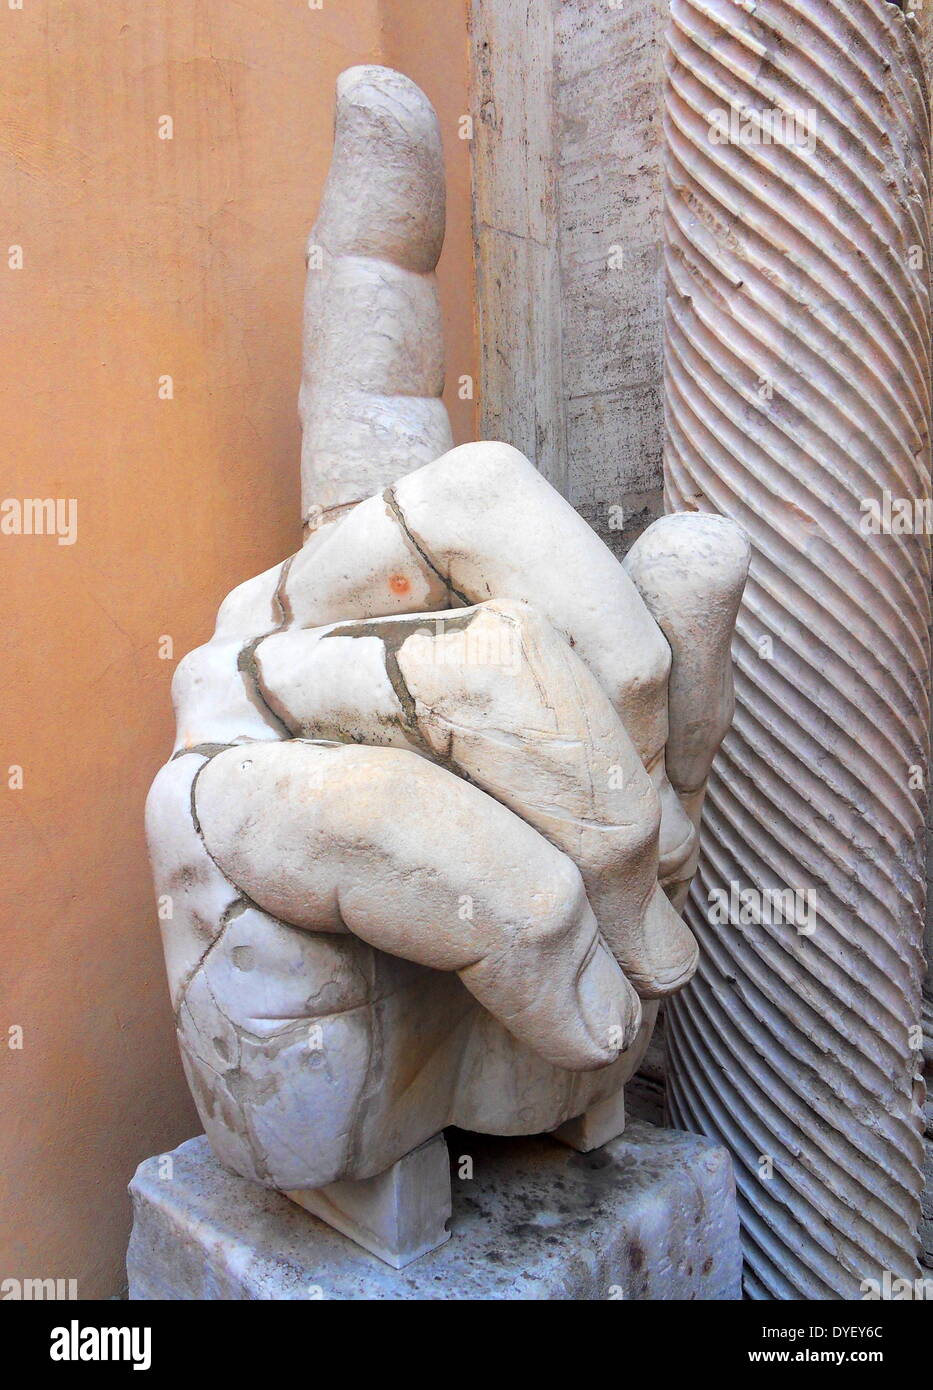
(690, 568)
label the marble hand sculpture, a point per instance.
(432, 811)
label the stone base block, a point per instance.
(595, 1127)
(398, 1215)
(650, 1216)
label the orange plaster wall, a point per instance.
(144, 257)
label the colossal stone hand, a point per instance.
(425, 821)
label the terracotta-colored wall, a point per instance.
(144, 257)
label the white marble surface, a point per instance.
(418, 847)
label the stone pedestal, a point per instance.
(650, 1216)
(595, 1127)
(399, 1214)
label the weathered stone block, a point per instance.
(650, 1216)
(400, 1214)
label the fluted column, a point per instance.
(797, 383)
(925, 39)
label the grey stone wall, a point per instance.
(567, 202)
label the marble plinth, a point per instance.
(651, 1215)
